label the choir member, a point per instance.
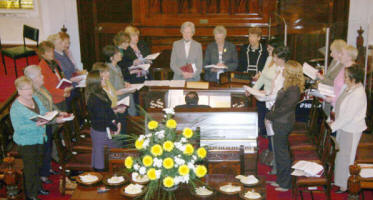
(186, 51)
(282, 116)
(102, 116)
(252, 56)
(350, 111)
(29, 135)
(52, 74)
(220, 53)
(134, 55)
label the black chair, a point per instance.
(21, 51)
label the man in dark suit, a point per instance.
(191, 101)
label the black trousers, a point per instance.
(282, 154)
(262, 110)
(32, 156)
(47, 154)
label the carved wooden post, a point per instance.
(354, 182)
(194, 6)
(360, 47)
(10, 179)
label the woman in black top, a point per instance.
(282, 117)
(103, 119)
(134, 55)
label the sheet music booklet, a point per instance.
(310, 71)
(152, 56)
(307, 168)
(47, 117)
(64, 83)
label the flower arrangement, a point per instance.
(167, 158)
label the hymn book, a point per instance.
(49, 116)
(152, 56)
(144, 67)
(307, 168)
(326, 90)
(310, 71)
(216, 67)
(64, 83)
(188, 68)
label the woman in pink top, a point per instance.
(349, 55)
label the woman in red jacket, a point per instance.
(52, 74)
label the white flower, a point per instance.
(136, 166)
(177, 180)
(135, 175)
(157, 162)
(146, 143)
(169, 111)
(141, 137)
(185, 179)
(183, 140)
(158, 173)
(179, 161)
(160, 134)
(142, 170)
(148, 135)
(194, 157)
(191, 166)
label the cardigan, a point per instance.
(283, 111)
(350, 110)
(243, 58)
(229, 58)
(51, 81)
(100, 113)
(66, 64)
(26, 132)
(267, 76)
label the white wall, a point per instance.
(49, 16)
(361, 14)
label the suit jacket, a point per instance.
(350, 110)
(178, 59)
(283, 111)
(332, 72)
(212, 57)
(242, 66)
(127, 60)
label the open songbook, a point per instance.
(326, 90)
(307, 168)
(310, 71)
(254, 91)
(216, 67)
(152, 56)
(49, 116)
(123, 102)
(64, 83)
(144, 67)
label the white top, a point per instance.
(187, 47)
(277, 85)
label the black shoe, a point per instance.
(43, 192)
(45, 180)
(32, 198)
(52, 172)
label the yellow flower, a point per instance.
(168, 182)
(128, 162)
(171, 123)
(147, 160)
(225, 50)
(189, 149)
(187, 132)
(201, 152)
(152, 125)
(151, 174)
(138, 144)
(168, 146)
(156, 150)
(168, 163)
(183, 170)
(200, 171)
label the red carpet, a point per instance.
(7, 88)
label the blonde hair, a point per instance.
(44, 47)
(352, 52)
(220, 30)
(293, 74)
(187, 24)
(131, 30)
(338, 45)
(100, 66)
(120, 38)
(31, 71)
(22, 81)
(255, 31)
(60, 35)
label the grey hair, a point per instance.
(187, 24)
(30, 71)
(220, 30)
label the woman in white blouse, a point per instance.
(350, 111)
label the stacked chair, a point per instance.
(316, 145)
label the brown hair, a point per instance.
(255, 31)
(120, 38)
(100, 66)
(44, 47)
(293, 74)
(94, 86)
